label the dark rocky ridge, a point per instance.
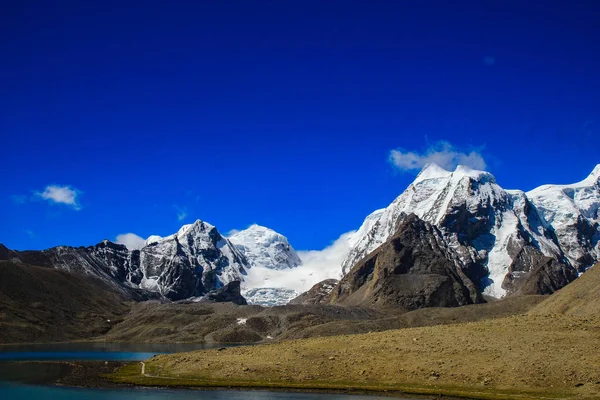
(415, 268)
(190, 263)
(229, 293)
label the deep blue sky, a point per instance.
(281, 113)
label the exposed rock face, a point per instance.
(263, 247)
(228, 293)
(192, 262)
(500, 236)
(318, 294)
(546, 277)
(415, 268)
(110, 262)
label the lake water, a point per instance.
(17, 382)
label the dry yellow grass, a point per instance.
(551, 352)
(516, 357)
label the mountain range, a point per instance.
(188, 264)
(484, 240)
(501, 236)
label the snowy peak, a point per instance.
(573, 213)
(432, 171)
(594, 177)
(498, 234)
(263, 247)
(197, 228)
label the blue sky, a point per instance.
(153, 114)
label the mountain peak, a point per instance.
(432, 171)
(595, 175)
(462, 171)
(259, 228)
(264, 247)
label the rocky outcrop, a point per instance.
(318, 294)
(546, 277)
(415, 268)
(228, 293)
(580, 298)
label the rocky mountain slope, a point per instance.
(503, 238)
(413, 269)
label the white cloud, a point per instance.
(181, 212)
(232, 232)
(61, 195)
(131, 241)
(317, 265)
(441, 153)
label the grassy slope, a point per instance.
(501, 358)
(551, 352)
(580, 298)
(46, 305)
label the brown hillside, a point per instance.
(580, 298)
(46, 305)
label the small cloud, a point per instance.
(18, 199)
(490, 61)
(442, 153)
(232, 232)
(61, 195)
(131, 241)
(181, 212)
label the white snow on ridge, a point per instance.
(263, 247)
(565, 208)
(436, 192)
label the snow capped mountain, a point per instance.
(499, 235)
(263, 247)
(573, 213)
(190, 262)
(267, 252)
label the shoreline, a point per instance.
(106, 375)
(128, 375)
